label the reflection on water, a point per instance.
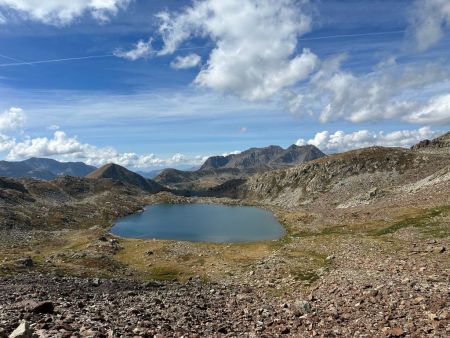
(200, 222)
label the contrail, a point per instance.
(56, 60)
(14, 59)
(22, 63)
(351, 35)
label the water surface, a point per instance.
(200, 223)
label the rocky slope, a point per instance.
(65, 202)
(219, 169)
(43, 168)
(118, 173)
(345, 180)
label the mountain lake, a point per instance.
(200, 223)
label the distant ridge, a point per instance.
(264, 158)
(218, 169)
(43, 168)
(121, 174)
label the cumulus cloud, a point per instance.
(70, 148)
(389, 92)
(142, 49)
(436, 110)
(12, 119)
(6, 143)
(428, 21)
(188, 61)
(57, 12)
(342, 141)
(64, 147)
(256, 44)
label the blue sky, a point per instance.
(133, 107)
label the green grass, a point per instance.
(330, 230)
(164, 273)
(308, 277)
(426, 222)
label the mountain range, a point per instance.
(263, 159)
(220, 169)
(216, 169)
(44, 168)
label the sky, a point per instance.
(152, 84)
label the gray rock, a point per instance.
(22, 331)
(302, 306)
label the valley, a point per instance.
(366, 252)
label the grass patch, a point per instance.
(426, 221)
(331, 230)
(308, 277)
(164, 273)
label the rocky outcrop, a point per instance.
(441, 143)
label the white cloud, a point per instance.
(428, 21)
(436, 110)
(142, 49)
(389, 92)
(6, 143)
(53, 127)
(12, 119)
(66, 148)
(243, 130)
(188, 61)
(235, 152)
(256, 51)
(62, 12)
(342, 141)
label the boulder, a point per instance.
(43, 307)
(22, 331)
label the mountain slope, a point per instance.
(43, 168)
(121, 174)
(219, 169)
(65, 202)
(344, 180)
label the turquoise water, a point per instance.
(200, 223)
